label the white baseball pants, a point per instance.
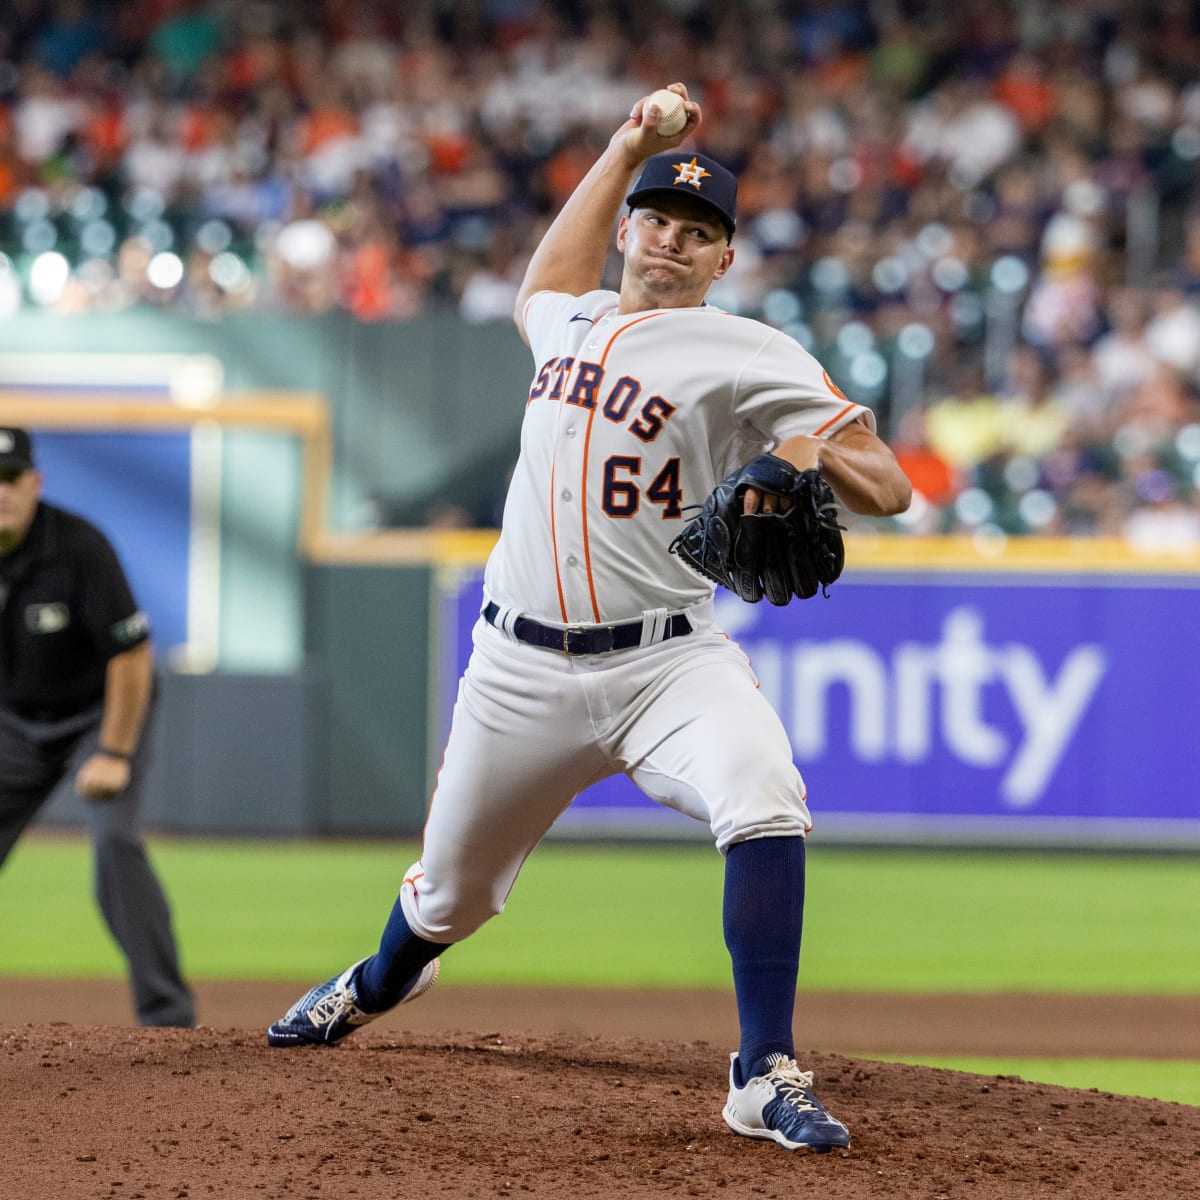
(532, 728)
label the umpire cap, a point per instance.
(16, 449)
(700, 177)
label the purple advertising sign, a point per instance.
(993, 707)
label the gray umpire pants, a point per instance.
(35, 757)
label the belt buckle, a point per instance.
(566, 640)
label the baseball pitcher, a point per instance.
(667, 448)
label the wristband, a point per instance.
(114, 754)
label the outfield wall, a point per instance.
(958, 700)
(930, 699)
(1041, 695)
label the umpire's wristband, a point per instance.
(114, 754)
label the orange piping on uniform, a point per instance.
(587, 441)
(833, 387)
(587, 545)
(834, 420)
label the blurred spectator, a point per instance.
(70, 33)
(1166, 522)
(44, 116)
(1122, 356)
(493, 279)
(186, 38)
(1025, 88)
(966, 426)
(960, 126)
(301, 263)
(1034, 417)
(925, 190)
(935, 481)
(1173, 332)
(1064, 305)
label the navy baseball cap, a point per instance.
(16, 449)
(695, 175)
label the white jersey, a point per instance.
(630, 419)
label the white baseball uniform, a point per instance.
(630, 418)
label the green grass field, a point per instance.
(650, 916)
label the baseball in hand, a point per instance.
(672, 114)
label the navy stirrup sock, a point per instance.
(764, 919)
(385, 977)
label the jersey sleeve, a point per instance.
(784, 392)
(557, 321)
(109, 612)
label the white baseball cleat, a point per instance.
(780, 1105)
(327, 1013)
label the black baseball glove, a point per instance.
(780, 555)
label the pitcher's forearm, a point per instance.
(573, 251)
(860, 468)
(572, 255)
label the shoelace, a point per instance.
(332, 1006)
(793, 1085)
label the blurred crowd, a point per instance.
(983, 217)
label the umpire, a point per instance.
(76, 691)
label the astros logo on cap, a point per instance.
(691, 172)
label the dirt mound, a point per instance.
(859, 1024)
(101, 1111)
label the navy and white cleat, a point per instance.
(780, 1105)
(330, 1011)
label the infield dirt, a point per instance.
(500, 1100)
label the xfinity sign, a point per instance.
(921, 699)
(923, 703)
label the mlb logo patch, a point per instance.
(47, 618)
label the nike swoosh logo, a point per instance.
(581, 317)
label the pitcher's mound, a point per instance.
(101, 1111)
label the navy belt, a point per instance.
(592, 639)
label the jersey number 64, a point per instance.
(621, 495)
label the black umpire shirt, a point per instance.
(65, 610)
